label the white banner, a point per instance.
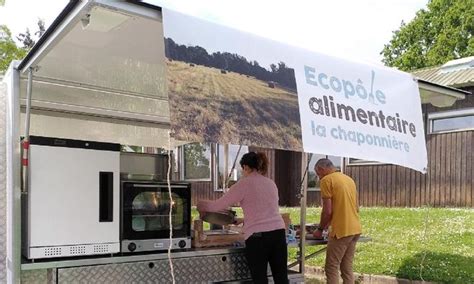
(361, 111)
(228, 86)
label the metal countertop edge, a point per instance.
(116, 259)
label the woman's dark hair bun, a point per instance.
(257, 161)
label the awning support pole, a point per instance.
(304, 186)
(26, 141)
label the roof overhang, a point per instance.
(438, 95)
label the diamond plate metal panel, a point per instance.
(200, 269)
(3, 186)
(42, 276)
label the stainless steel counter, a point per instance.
(191, 266)
(87, 261)
(94, 260)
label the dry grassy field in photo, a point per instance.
(215, 105)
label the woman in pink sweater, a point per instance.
(264, 229)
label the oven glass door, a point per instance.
(146, 211)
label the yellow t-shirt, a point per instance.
(341, 189)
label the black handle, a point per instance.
(106, 196)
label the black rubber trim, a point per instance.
(64, 13)
(70, 143)
(143, 4)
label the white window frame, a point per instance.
(448, 114)
(226, 169)
(213, 165)
(182, 164)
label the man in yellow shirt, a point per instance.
(341, 212)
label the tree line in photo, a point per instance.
(279, 73)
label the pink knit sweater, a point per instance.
(258, 197)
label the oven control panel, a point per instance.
(155, 244)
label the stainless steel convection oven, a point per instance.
(146, 211)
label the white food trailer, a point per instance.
(97, 74)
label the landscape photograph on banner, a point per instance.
(228, 86)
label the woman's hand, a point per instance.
(238, 221)
(201, 214)
(201, 208)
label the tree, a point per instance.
(442, 32)
(8, 49)
(26, 39)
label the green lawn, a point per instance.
(431, 244)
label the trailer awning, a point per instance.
(100, 74)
